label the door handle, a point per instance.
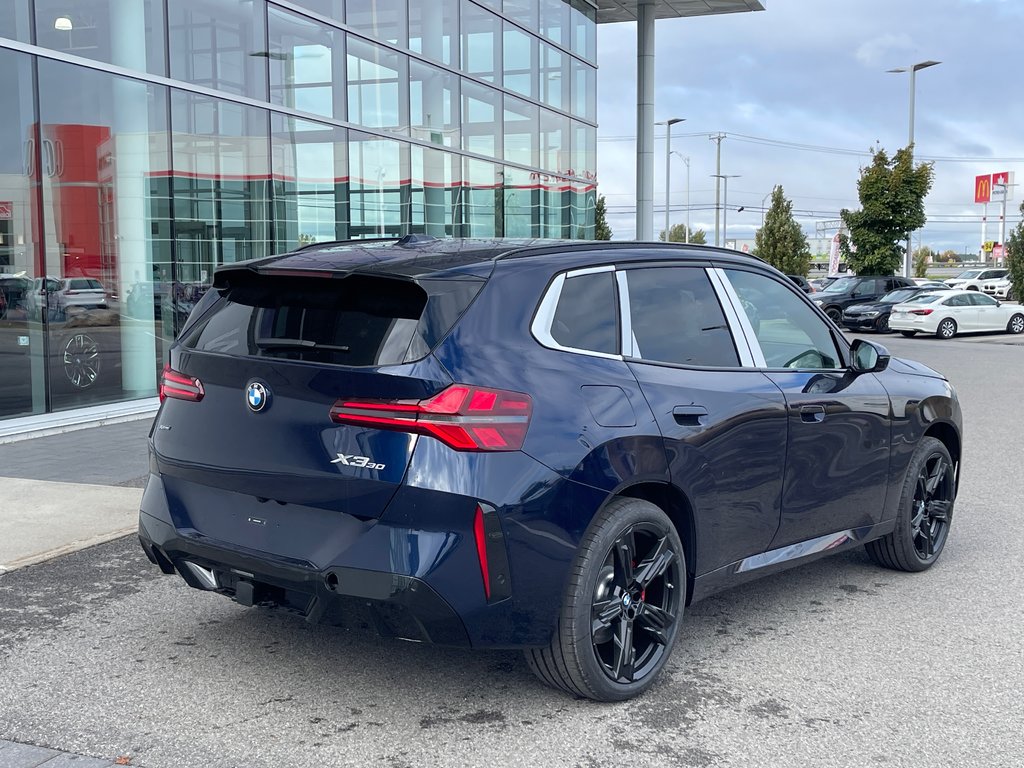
(689, 415)
(812, 414)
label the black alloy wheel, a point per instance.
(926, 512)
(834, 314)
(882, 324)
(622, 608)
(1016, 324)
(946, 329)
(81, 361)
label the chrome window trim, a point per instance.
(627, 342)
(544, 317)
(742, 331)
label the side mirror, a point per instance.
(869, 357)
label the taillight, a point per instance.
(463, 417)
(179, 386)
(921, 311)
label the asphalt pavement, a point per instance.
(837, 663)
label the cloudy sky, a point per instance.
(813, 73)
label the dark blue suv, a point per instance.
(541, 445)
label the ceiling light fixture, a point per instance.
(63, 24)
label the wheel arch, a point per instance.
(673, 503)
(947, 434)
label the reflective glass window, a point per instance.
(554, 77)
(583, 22)
(520, 56)
(307, 65)
(219, 44)
(481, 119)
(126, 34)
(586, 316)
(436, 191)
(554, 20)
(584, 150)
(522, 11)
(790, 333)
(379, 201)
(311, 182)
(555, 208)
(676, 318)
(433, 104)
(555, 156)
(332, 9)
(15, 22)
(481, 193)
(583, 211)
(481, 43)
(520, 203)
(584, 90)
(381, 19)
(521, 119)
(434, 29)
(110, 306)
(221, 184)
(22, 292)
(377, 81)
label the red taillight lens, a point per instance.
(179, 386)
(921, 311)
(463, 417)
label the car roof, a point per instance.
(418, 256)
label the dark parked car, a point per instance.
(801, 281)
(874, 315)
(548, 446)
(845, 291)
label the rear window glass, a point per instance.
(354, 321)
(927, 298)
(84, 284)
(586, 314)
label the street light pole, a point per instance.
(725, 203)
(668, 169)
(913, 70)
(686, 235)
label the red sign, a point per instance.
(983, 189)
(6, 209)
(998, 252)
(1001, 178)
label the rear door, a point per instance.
(723, 423)
(837, 457)
(962, 310)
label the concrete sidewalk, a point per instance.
(65, 492)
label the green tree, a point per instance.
(781, 242)
(891, 192)
(677, 234)
(601, 231)
(1015, 258)
(923, 257)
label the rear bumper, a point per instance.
(394, 604)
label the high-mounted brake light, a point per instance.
(921, 311)
(179, 386)
(463, 417)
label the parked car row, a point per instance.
(974, 279)
(947, 313)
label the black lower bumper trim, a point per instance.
(394, 604)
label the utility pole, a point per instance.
(668, 168)
(717, 138)
(725, 218)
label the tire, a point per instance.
(630, 543)
(882, 324)
(1016, 324)
(834, 314)
(909, 334)
(925, 514)
(946, 328)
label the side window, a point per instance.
(789, 332)
(981, 300)
(676, 318)
(958, 301)
(586, 317)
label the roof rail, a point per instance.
(359, 241)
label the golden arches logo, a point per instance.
(982, 189)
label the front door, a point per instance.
(837, 458)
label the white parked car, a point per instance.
(947, 313)
(1001, 289)
(972, 279)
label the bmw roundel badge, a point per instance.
(257, 396)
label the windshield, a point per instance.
(840, 285)
(968, 274)
(895, 297)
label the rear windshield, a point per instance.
(354, 321)
(925, 298)
(85, 284)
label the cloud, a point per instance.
(875, 52)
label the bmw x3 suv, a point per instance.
(552, 446)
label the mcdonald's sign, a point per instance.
(983, 188)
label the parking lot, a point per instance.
(835, 663)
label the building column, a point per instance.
(130, 142)
(645, 120)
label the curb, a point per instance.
(65, 549)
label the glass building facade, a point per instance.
(146, 142)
